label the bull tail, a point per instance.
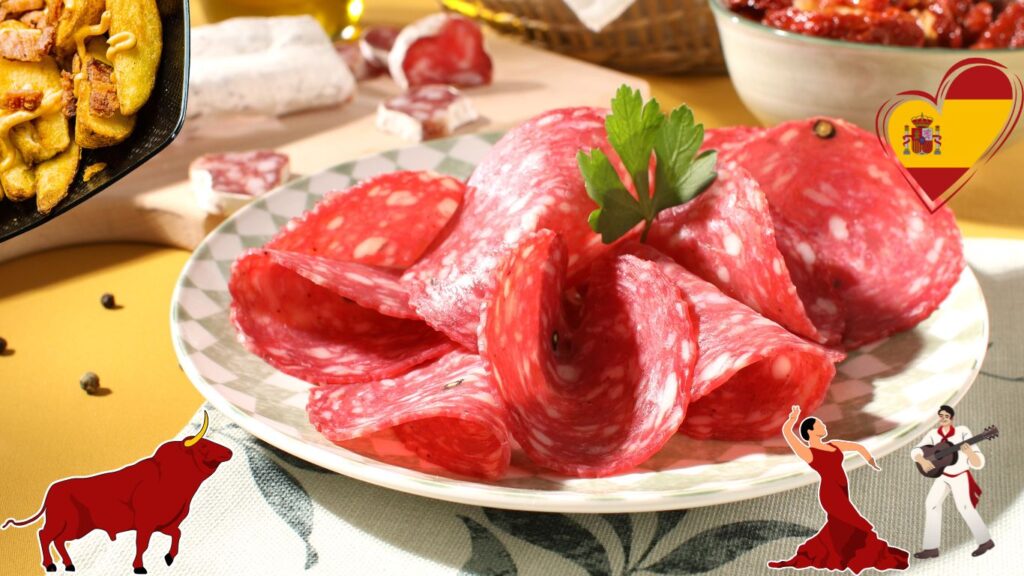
(26, 522)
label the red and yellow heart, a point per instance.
(942, 139)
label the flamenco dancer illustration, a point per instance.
(847, 541)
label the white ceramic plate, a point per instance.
(885, 395)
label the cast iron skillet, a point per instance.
(158, 123)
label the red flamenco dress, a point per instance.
(847, 541)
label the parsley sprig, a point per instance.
(636, 130)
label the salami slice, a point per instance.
(425, 112)
(372, 287)
(316, 334)
(389, 220)
(351, 53)
(528, 181)
(251, 173)
(750, 371)
(323, 301)
(725, 139)
(850, 211)
(726, 237)
(376, 43)
(442, 48)
(448, 412)
(598, 396)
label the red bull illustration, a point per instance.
(151, 495)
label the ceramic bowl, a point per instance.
(783, 76)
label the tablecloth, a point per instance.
(266, 512)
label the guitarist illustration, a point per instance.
(947, 455)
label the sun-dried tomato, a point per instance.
(940, 26)
(890, 26)
(1007, 31)
(977, 20)
(756, 8)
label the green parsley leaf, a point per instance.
(617, 212)
(636, 130)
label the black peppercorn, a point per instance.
(107, 300)
(90, 382)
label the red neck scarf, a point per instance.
(945, 435)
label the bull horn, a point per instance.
(202, 431)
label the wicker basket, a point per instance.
(654, 36)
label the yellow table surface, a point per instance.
(57, 330)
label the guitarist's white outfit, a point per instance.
(956, 479)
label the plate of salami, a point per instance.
(456, 320)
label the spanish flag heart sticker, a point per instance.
(942, 139)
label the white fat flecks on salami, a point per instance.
(252, 173)
(372, 287)
(267, 66)
(225, 182)
(441, 48)
(425, 112)
(595, 392)
(814, 284)
(726, 237)
(750, 370)
(388, 220)
(530, 180)
(725, 139)
(851, 212)
(375, 44)
(351, 53)
(317, 334)
(448, 412)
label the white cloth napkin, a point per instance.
(267, 513)
(596, 14)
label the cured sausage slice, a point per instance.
(750, 370)
(530, 180)
(315, 333)
(389, 220)
(253, 173)
(448, 412)
(441, 48)
(323, 301)
(725, 139)
(844, 206)
(726, 237)
(425, 112)
(595, 393)
(372, 287)
(375, 44)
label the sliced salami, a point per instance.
(425, 112)
(375, 44)
(351, 53)
(750, 370)
(851, 212)
(317, 334)
(726, 237)
(441, 48)
(528, 181)
(252, 173)
(725, 139)
(372, 287)
(596, 396)
(448, 412)
(389, 220)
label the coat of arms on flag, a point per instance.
(977, 106)
(922, 139)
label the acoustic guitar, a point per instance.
(945, 453)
